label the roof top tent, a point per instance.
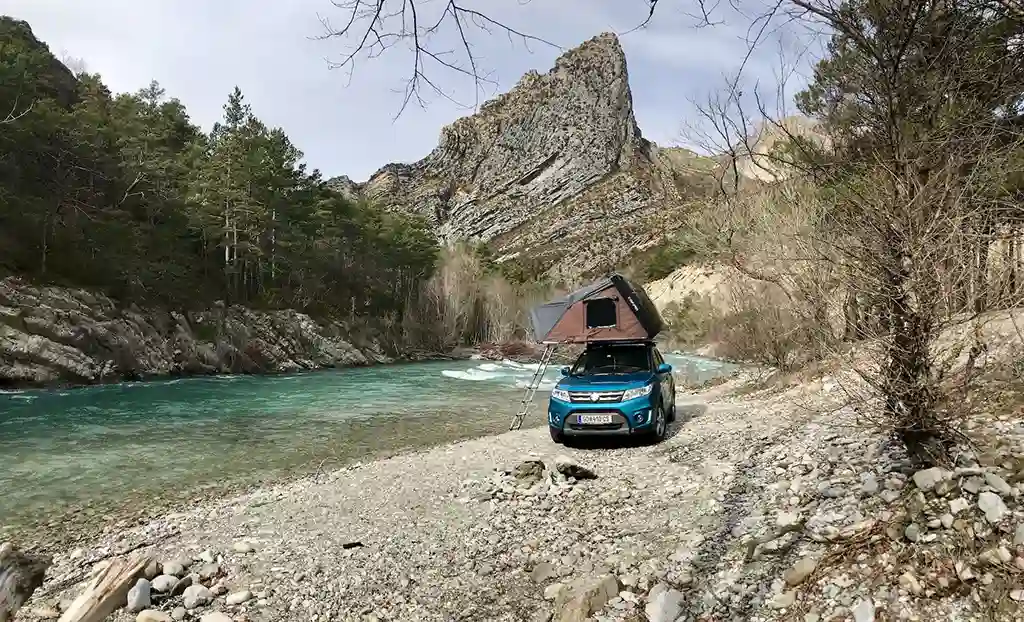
(610, 309)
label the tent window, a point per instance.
(600, 313)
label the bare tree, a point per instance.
(922, 103)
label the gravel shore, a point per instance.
(763, 505)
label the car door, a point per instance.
(668, 383)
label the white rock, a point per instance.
(665, 606)
(1018, 535)
(783, 600)
(992, 506)
(154, 615)
(800, 571)
(864, 611)
(999, 484)
(196, 596)
(238, 598)
(958, 505)
(786, 519)
(164, 583)
(552, 591)
(926, 479)
(216, 616)
(243, 547)
(174, 568)
(138, 596)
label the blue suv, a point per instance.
(614, 389)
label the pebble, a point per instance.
(998, 484)
(799, 572)
(958, 505)
(785, 520)
(139, 596)
(910, 582)
(864, 611)
(243, 547)
(164, 583)
(992, 506)
(208, 571)
(926, 479)
(196, 596)
(178, 613)
(153, 615)
(238, 598)
(153, 569)
(173, 568)
(552, 591)
(665, 606)
(215, 616)
(783, 600)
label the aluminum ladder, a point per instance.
(531, 389)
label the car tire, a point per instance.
(659, 427)
(672, 413)
(556, 435)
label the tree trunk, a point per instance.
(107, 591)
(981, 284)
(20, 575)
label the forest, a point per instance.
(124, 194)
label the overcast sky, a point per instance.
(200, 49)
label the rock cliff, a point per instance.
(52, 335)
(555, 170)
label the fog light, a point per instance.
(640, 416)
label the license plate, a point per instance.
(594, 419)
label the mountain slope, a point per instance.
(555, 170)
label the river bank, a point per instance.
(60, 337)
(762, 505)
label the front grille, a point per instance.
(603, 397)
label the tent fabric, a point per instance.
(563, 320)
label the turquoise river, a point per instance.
(80, 456)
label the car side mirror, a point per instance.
(664, 368)
(565, 371)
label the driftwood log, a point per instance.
(107, 591)
(20, 575)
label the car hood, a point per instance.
(605, 383)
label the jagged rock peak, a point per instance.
(544, 141)
(605, 47)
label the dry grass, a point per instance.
(468, 303)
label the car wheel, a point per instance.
(672, 412)
(556, 435)
(660, 425)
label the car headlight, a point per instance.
(632, 394)
(560, 394)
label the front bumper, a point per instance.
(628, 418)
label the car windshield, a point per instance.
(614, 360)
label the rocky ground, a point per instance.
(763, 505)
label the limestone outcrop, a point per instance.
(55, 335)
(555, 171)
